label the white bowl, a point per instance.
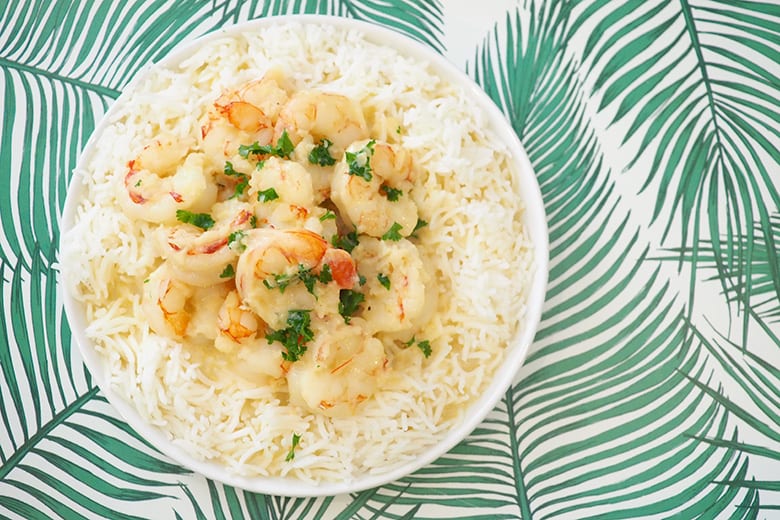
(534, 223)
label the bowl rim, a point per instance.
(535, 225)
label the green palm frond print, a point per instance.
(763, 305)
(652, 389)
(714, 167)
(421, 20)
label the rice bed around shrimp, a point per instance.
(473, 247)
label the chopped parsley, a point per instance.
(201, 220)
(329, 215)
(349, 302)
(295, 336)
(419, 225)
(304, 274)
(307, 278)
(320, 154)
(235, 240)
(346, 242)
(392, 194)
(281, 281)
(267, 195)
(424, 345)
(291, 454)
(325, 275)
(138, 183)
(361, 280)
(228, 272)
(284, 147)
(243, 179)
(253, 221)
(393, 233)
(360, 162)
(398, 129)
(230, 171)
(259, 165)
(384, 280)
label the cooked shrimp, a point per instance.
(164, 303)
(323, 116)
(163, 178)
(327, 222)
(341, 266)
(377, 198)
(341, 368)
(270, 274)
(269, 94)
(178, 310)
(236, 325)
(320, 174)
(200, 257)
(242, 116)
(395, 284)
(205, 303)
(281, 193)
(241, 333)
(385, 127)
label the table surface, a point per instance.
(653, 387)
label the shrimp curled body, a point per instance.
(201, 256)
(322, 116)
(341, 369)
(398, 303)
(269, 271)
(165, 178)
(374, 205)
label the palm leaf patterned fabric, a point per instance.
(653, 386)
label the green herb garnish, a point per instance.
(291, 454)
(361, 280)
(346, 242)
(329, 215)
(419, 225)
(281, 281)
(243, 179)
(325, 275)
(393, 233)
(304, 275)
(228, 272)
(320, 154)
(201, 220)
(235, 238)
(284, 147)
(360, 162)
(295, 336)
(424, 345)
(392, 194)
(307, 278)
(230, 171)
(349, 302)
(384, 280)
(253, 221)
(267, 195)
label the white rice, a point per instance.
(475, 241)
